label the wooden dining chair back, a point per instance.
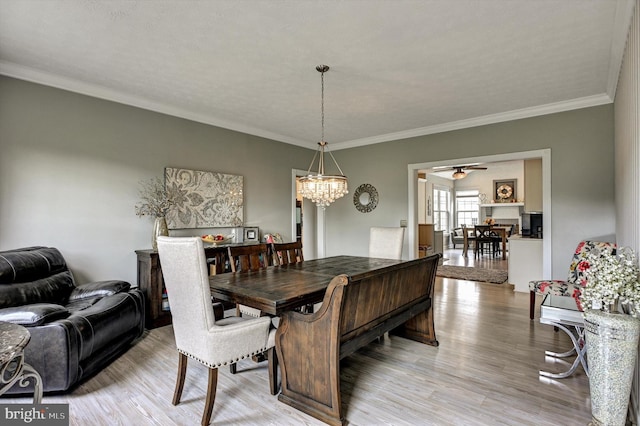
(244, 259)
(201, 332)
(216, 259)
(248, 258)
(483, 240)
(286, 253)
(496, 238)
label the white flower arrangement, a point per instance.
(612, 282)
(155, 199)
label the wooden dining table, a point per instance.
(502, 231)
(278, 289)
(391, 296)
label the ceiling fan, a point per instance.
(459, 171)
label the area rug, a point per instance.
(468, 273)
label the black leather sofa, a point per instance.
(75, 331)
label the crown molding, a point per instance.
(36, 76)
(621, 25)
(48, 79)
(585, 102)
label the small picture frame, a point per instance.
(251, 234)
(504, 190)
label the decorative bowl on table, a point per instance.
(217, 239)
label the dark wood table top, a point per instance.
(277, 289)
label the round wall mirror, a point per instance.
(365, 198)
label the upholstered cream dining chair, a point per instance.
(200, 330)
(386, 242)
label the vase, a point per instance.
(612, 350)
(159, 228)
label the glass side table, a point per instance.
(13, 340)
(562, 312)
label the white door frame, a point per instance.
(320, 217)
(545, 154)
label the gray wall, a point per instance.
(582, 170)
(70, 167)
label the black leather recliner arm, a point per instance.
(99, 289)
(34, 315)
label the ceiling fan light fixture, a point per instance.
(459, 174)
(320, 188)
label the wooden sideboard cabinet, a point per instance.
(429, 240)
(151, 282)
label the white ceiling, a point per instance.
(398, 68)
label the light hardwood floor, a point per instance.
(485, 372)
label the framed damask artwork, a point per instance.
(504, 190)
(203, 199)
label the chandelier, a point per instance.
(320, 188)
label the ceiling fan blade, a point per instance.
(458, 168)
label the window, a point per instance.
(441, 209)
(467, 207)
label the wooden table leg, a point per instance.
(504, 245)
(465, 242)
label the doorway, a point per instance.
(305, 220)
(544, 154)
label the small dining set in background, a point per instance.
(491, 239)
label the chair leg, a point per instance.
(211, 396)
(233, 369)
(532, 302)
(273, 370)
(182, 372)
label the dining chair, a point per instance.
(496, 237)
(469, 232)
(286, 253)
(200, 331)
(457, 236)
(576, 280)
(482, 240)
(386, 242)
(244, 259)
(216, 259)
(248, 258)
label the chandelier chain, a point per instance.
(322, 104)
